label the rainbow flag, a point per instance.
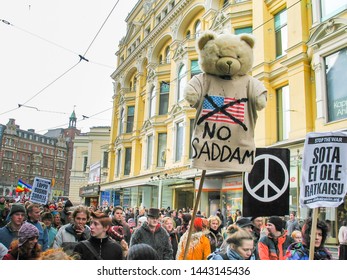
(23, 187)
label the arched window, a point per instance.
(197, 28)
(167, 54)
(182, 81)
(152, 102)
(160, 59)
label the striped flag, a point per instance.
(236, 110)
(23, 187)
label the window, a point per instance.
(197, 28)
(194, 68)
(130, 119)
(336, 76)
(182, 81)
(105, 160)
(191, 130)
(247, 30)
(118, 162)
(152, 102)
(281, 33)
(330, 8)
(85, 162)
(149, 151)
(188, 34)
(127, 163)
(179, 141)
(164, 98)
(283, 113)
(121, 121)
(161, 157)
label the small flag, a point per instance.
(23, 187)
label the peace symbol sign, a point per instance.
(266, 183)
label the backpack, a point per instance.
(218, 252)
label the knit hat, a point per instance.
(277, 222)
(198, 224)
(243, 222)
(17, 207)
(142, 219)
(116, 232)
(26, 232)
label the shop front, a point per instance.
(90, 195)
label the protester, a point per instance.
(69, 235)
(169, 225)
(65, 212)
(186, 217)
(33, 212)
(55, 254)
(292, 224)
(118, 220)
(154, 235)
(297, 236)
(4, 210)
(300, 251)
(199, 245)
(47, 219)
(240, 246)
(3, 250)
(273, 246)
(10, 231)
(99, 246)
(26, 247)
(214, 234)
(56, 220)
(343, 241)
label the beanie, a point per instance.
(277, 222)
(26, 232)
(198, 224)
(17, 207)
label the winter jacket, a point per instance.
(271, 249)
(299, 251)
(7, 235)
(216, 239)
(158, 240)
(174, 242)
(67, 237)
(107, 248)
(199, 247)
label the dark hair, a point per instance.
(142, 251)
(81, 209)
(118, 207)
(306, 231)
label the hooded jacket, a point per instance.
(159, 240)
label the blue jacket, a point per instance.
(7, 235)
(43, 235)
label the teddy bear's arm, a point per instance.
(193, 91)
(261, 101)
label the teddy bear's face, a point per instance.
(225, 54)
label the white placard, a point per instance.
(40, 191)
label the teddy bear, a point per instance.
(226, 99)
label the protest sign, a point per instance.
(324, 170)
(40, 191)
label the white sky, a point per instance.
(28, 64)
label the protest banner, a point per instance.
(40, 191)
(324, 174)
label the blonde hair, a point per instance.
(295, 232)
(214, 218)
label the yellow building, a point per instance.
(89, 166)
(299, 46)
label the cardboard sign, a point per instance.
(40, 191)
(324, 170)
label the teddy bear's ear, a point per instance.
(204, 38)
(249, 39)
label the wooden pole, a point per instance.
(197, 200)
(313, 232)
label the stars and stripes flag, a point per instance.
(23, 187)
(237, 110)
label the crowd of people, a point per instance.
(63, 231)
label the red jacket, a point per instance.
(270, 249)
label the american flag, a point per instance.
(237, 110)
